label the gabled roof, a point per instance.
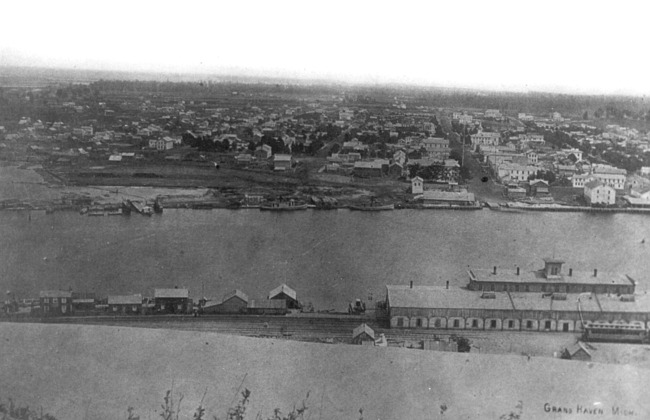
(281, 158)
(363, 328)
(171, 293)
(283, 288)
(125, 300)
(235, 293)
(579, 347)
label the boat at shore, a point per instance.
(372, 207)
(290, 205)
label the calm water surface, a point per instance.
(329, 257)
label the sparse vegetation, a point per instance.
(17, 412)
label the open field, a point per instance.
(77, 372)
(338, 329)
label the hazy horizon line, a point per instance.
(297, 79)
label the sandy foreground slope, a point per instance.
(96, 372)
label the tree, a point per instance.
(302, 173)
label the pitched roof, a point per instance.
(235, 293)
(283, 288)
(281, 158)
(171, 293)
(363, 328)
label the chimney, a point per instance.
(447, 284)
(411, 284)
(517, 270)
(570, 272)
(495, 270)
(595, 272)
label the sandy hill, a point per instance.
(96, 372)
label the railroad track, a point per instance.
(293, 328)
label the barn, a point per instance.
(286, 293)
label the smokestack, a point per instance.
(411, 284)
(447, 284)
(595, 272)
(570, 272)
(517, 270)
(495, 270)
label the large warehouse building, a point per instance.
(544, 300)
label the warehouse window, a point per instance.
(529, 324)
(400, 322)
(511, 324)
(493, 323)
(437, 323)
(418, 322)
(547, 325)
(456, 323)
(475, 323)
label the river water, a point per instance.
(329, 257)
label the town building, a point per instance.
(539, 188)
(609, 175)
(172, 301)
(364, 335)
(436, 148)
(83, 302)
(286, 293)
(492, 113)
(267, 307)
(164, 144)
(234, 302)
(510, 172)
(374, 169)
(243, 159)
(417, 185)
(55, 302)
(462, 309)
(282, 162)
(514, 191)
(263, 152)
(578, 352)
(596, 192)
(485, 139)
(126, 304)
(532, 157)
(550, 279)
(449, 198)
(579, 180)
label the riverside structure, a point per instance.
(543, 300)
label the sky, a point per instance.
(558, 46)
